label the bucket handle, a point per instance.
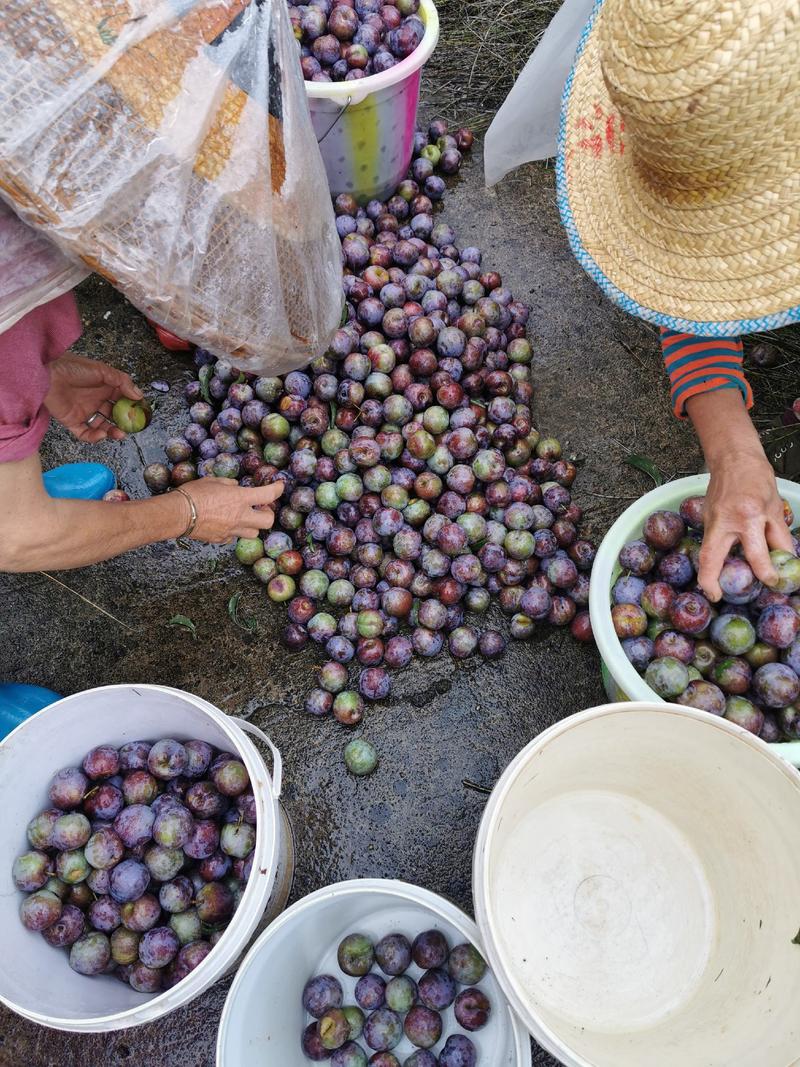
(277, 762)
(341, 113)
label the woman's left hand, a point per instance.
(80, 387)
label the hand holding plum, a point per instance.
(742, 505)
(79, 387)
(226, 510)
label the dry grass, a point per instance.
(774, 389)
(482, 49)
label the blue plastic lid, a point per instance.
(79, 481)
(18, 702)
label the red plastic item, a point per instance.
(169, 340)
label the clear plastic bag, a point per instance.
(526, 126)
(167, 145)
(32, 270)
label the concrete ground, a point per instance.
(599, 387)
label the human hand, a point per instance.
(742, 505)
(226, 510)
(79, 387)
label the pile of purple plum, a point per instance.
(140, 861)
(739, 658)
(416, 488)
(392, 1006)
(344, 40)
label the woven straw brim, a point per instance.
(723, 260)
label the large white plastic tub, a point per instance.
(35, 979)
(636, 882)
(365, 128)
(264, 1018)
(621, 680)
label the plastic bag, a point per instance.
(32, 270)
(526, 126)
(167, 145)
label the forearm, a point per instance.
(41, 533)
(723, 426)
(76, 533)
(742, 505)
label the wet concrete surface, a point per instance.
(599, 387)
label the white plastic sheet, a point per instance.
(526, 126)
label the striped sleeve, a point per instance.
(702, 364)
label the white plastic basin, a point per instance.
(621, 680)
(35, 979)
(264, 1018)
(636, 880)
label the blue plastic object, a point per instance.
(18, 702)
(79, 481)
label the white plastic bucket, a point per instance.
(621, 680)
(35, 979)
(366, 128)
(263, 1017)
(636, 887)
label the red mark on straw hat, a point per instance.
(603, 133)
(614, 129)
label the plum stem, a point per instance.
(476, 787)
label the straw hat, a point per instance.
(679, 161)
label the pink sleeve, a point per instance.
(25, 350)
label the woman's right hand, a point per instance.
(227, 510)
(742, 507)
(742, 504)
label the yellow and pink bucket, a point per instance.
(365, 128)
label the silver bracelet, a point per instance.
(193, 516)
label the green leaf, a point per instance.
(343, 318)
(642, 463)
(185, 623)
(206, 372)
(796, 938)
(249, 626)
(334, 409)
